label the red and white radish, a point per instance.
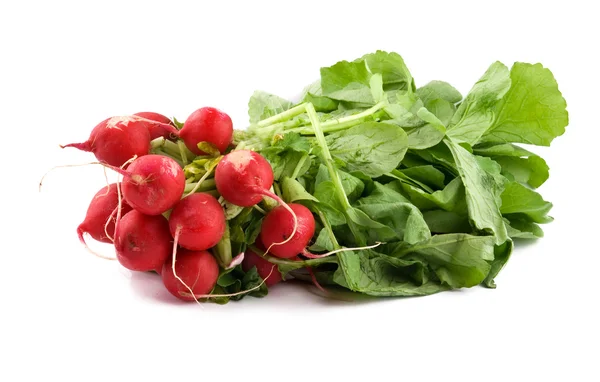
(116, 140)
(243, 178)
(278, 226)
(152, 184)
(143, 242)
(210, 125)
(158, 129)
(99, 220)
(197, 222)
(198, 270)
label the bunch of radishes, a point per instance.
(156, 226)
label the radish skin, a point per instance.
(278, 225)
(158, 129)
(198, 270)
(152, 184)
(243, 178)
(99, 219)
(207, 124)
(198, 220)
(142, 242)
(117, 139)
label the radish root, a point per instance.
(313, 256)
(80, 233)
(197, 296)
(289, 209)
(175, 241)
(314, 280)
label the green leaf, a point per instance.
(475, 114)
(501, 255)
(532, 170)
(518, 199)
(263, 105)
(321, 103)
(353, 186)
(459, 260)
(533, 111)
(442, 109)
(482, 192)
(440, 221)
(392, 68)
(293, 191)
(371, 229)
(435, 90)
(372, 148)
(426, 174)
(451, 198)
(380, 275)
(393, 210)
(523, 228)
(517, 163)
(347, 81)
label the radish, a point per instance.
(117, 139)
(99, 220)
(157, 129)
(207, 124)
(152, 184)
(278, 225)
(263, 267)
(243, 177)
(196, 271)
(197, 222)
(143, 242)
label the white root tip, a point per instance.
(289, 209)
(197, 296)
(313, 256)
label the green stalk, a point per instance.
(182, 153)
(206, 185)
(345, 122)
(327, 158)
(288, 114)
(294, 263)
(333, 174)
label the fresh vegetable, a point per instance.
(210, 125)
(198, 270)
(101, 215)
(370, 182)
(157, 130)
(116, 140)
(278, 225)
(143, 242)
(153, 184)
(198, 222)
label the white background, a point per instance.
(69, 316)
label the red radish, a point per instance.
(197, 222)
(278, 225)
(197, 269)
(117, 139)
(243, 177)
(143, 242)
(102, 209)
(157, 130)
(152, 184)
(207, 124)
(263, 267)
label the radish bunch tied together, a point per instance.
(368, 184)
